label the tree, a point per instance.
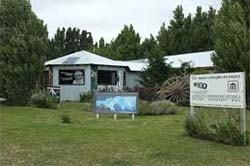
(127, 45)
(69, 41)
(103, 49)
(157, 71)
(232, 39)
(176, 32)
(163, 39)
(22, 51)
(56, 45)
(201, 38)
(187, 34)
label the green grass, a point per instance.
(32, 136)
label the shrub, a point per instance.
(144, 108)
(42, 99)
(184, 103)
(66, 119)
(196, 126)
(87, 106)
(86, 97)
(146, 94)
(227, 132)
(163, 107)
(157, 108)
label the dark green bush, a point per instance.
(66, 119)
(227, 132)
(42, 99)
(196, 126)
(163, 107)
(157, 108)
(86, 97)
(184, 103)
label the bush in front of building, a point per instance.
(42, 99)
(86, 97)
(162, 107)
(227, 132)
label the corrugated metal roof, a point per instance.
(84, 58)
(200, 59)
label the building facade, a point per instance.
(84, 72)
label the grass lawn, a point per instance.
(32, 136)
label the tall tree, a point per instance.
(22, 50)
(176, 32)
(157, 71)
(69, 41)
(127, 44)
(232, 39)
(103, 48)
(187, 34)
(201, 38)
(163, 39)
(56, 46)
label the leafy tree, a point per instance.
(56, 45)
(176, 32)
(103, 49)
(232, 39)
(187, 34)
(22, 51)
(157, 71)
(127, 45)
(201, 38)
(163, 39)
(69, 41)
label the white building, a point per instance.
(87, 72)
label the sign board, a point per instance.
(225, 90)
(54, 91)
(121, 103)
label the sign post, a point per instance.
(222, 90)
(133, 116)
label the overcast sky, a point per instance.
(106, 18)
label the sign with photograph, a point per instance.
(123, 103)
(218, 90)
(71, 77)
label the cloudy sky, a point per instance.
(105, 18)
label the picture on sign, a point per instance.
(218, 90)
(71, 77)
(124, 103)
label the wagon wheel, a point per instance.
(174, 89)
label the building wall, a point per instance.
(132, 79)
(72, 92)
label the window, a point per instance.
(106, 77)
(124, 79)
(71, 77)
